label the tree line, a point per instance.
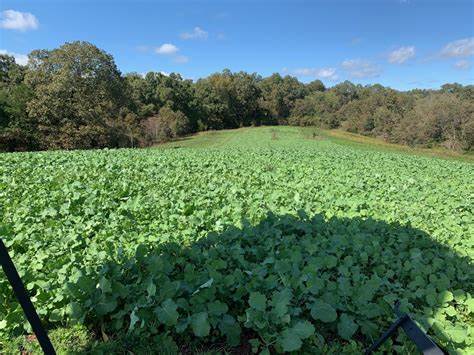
(74, 97)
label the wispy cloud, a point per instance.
(167, 49)
(170, 50)
(327, 73)
(323, 73)
(196, 33)
(361, 69)
(401, 55)
(424, 83)
(463, 64)
(21, 59)
(354, 68)
(458, 49)
(356, 40)
(16, 20)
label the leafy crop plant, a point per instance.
(207, 249)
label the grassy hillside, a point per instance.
(268, 136)
(267, 239)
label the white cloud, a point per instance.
(181, 59)
(401, 55)
(462, 64)
(303, 71)
(323, 73)
(167, 49)
(460, 48)
(361, 69)
(143, 74)
(16, 20)
(327, 73)
(172, 51)
(196, 33)
(21, 59)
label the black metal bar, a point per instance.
(422, 341)
(388, 334)
(25, 301)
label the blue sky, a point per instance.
(398, 43)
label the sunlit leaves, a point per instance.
(300, 245)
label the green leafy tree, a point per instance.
(317, 109)
(17, 131)
(77, 95)
(442, 118)
(150, 93)
(168, 124)
(229, 100)
(315, 86)
(346, 91)
(279, 95)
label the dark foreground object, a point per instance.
(24, 299)
(422, 341)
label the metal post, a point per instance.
(25, 301)
(422, 341)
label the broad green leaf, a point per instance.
(470, 305)
(280, 302)
(167, 313)
(323, 311)
(346, 326)
(289, 340)
(105, 285)
(200, 324)
(106, 306)
(457, 334)
(217, 308)
(303, 329)
(445, 297)
(257, 301)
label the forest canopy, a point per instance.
(74, 97)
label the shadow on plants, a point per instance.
(289, 283)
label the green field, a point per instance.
(267, 239)
(340, 137)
